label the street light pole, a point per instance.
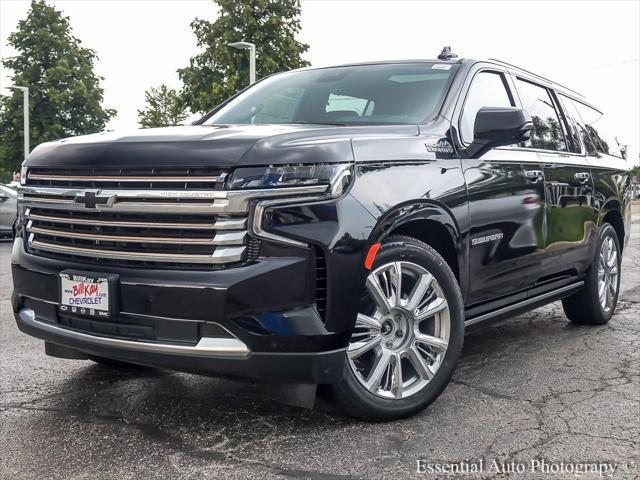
(252, 64)
(252, 58)
(25, 124)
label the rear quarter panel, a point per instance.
(612, 184)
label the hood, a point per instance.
(210, 146)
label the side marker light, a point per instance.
(371, 255)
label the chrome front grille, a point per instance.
(156, 218)
(163, 238)
(131, 217)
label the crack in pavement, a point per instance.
(156, 434)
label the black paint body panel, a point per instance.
(508, 237)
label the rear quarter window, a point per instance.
(600, 130)
(576, 119)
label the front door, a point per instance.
(507, 213)
(506, 202)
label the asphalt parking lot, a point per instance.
(533, 386)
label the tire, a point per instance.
(359, 393)
(585, 306)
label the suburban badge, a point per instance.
(486, 239)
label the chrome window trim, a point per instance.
(542, 150)
(510, 75)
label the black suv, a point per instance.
(339, 225)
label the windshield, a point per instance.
(354, 95)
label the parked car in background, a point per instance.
(340, 225)
(8, 210)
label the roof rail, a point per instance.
(536, 75)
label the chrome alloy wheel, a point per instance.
(607, 273)
(402, 333)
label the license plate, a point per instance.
(86, 293)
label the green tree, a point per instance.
(219, 71)
(64, 92)
(164, 108)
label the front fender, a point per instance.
(403, 192)
(415, 210)
(420, 216)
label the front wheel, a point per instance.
(408, 335)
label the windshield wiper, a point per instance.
(318, 123)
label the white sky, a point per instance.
(589, 46)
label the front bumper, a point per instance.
(254, 321)
(220, 357)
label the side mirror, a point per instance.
(3, 196)
(497, 127)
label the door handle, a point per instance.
(533, 176)
(582, 177)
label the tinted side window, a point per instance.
(569, 125)
(572, 111)
(599, 129)
(547, 129)
(487, 89)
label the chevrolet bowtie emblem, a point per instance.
(92, 198)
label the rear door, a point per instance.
(506, 199)
(571, 218)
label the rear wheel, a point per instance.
(596, 302)
(408, 335)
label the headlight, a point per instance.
(335, 175)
